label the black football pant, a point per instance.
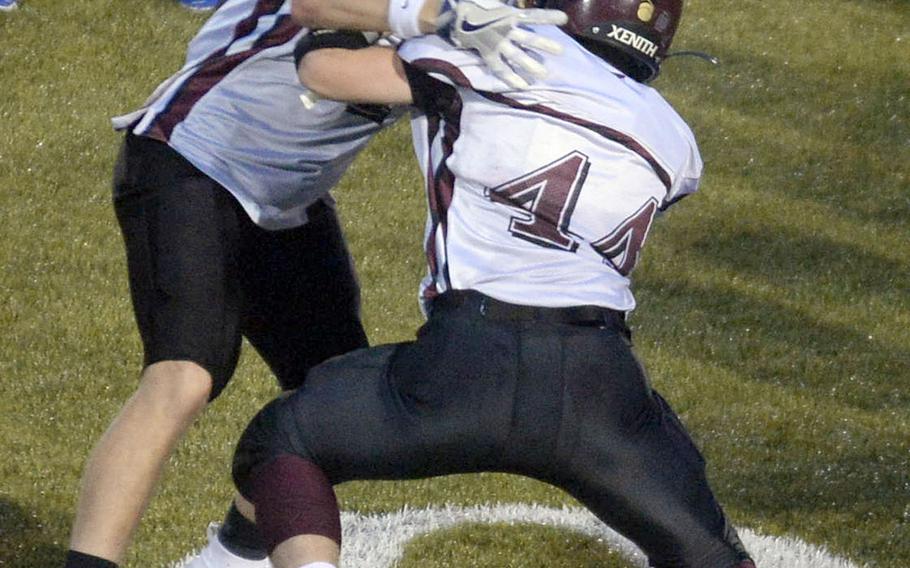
(203, 275)
(553, 394)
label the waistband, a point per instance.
(503, 311)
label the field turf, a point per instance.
(774, 305)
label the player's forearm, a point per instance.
(367, 15)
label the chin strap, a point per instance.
(699, 54)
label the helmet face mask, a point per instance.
(636, 34)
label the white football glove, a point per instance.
(494, 30)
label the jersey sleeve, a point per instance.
(430, 94)
(689, 169)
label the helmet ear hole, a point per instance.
(629, 65)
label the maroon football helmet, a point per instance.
(641, 30)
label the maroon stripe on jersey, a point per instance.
(247, 25)
(445, 179)
(430, 65)
(605, 131)
(456, 76)
(430, 245)
(440, 187)
(218, 66)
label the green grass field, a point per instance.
(774, 305)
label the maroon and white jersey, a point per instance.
(543, 196)
(234, 111)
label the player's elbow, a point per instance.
(315, 71)
(308, 13)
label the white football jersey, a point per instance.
(542, 196)
(234, 111)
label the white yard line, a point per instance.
(378, 541)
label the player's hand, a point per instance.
(495, 31)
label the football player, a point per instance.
(540, 202)
(221, 191)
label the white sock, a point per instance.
(319, 565)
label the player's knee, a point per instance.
(178, 388)
(260, 443)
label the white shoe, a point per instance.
(215, 555)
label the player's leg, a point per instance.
(176, 225)
(436, 406)
(296, 510)
(307, 551)
(301, 307)
(636, 467)
(275, 466)
(302, 295)
(127, 460)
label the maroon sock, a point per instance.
(293, 497)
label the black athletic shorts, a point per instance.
(202, 274)
(553, 394)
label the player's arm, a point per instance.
(495, 30)
(365, 15)
(371, 75)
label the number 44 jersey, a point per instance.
(542, 196)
